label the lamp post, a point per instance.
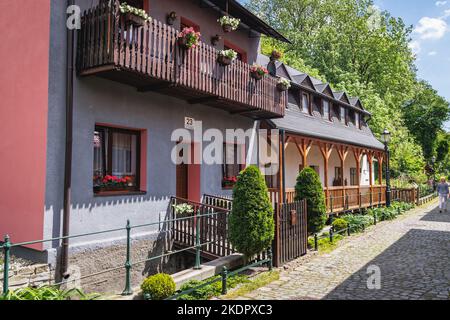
(386, 138)
(433, 162)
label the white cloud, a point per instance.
(415, 47)
(431, 28)
(432, 53)
(446, 14)
(441, 3)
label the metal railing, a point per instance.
(198, 245)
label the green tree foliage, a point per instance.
(425, 115)
(310, 188)
(359, 49)
(251, 220)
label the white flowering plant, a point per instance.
(284, 83)
(126, 8)
(183, 209)
(230, 54)
(229, 21)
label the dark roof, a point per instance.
(237, 10)
(297, 122)
(297, 78)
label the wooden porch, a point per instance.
(150, 59)
(339, 198)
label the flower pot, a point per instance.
(134, 20)
(182, 42)
(256, 75)
(224, 61)
(227, 28)
(282, 87)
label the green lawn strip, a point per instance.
(259, 281)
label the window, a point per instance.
(116, 159)
(353, 177)
(232, 164)
(343, 116)
(326, 109)
(351, 115)
(336, 111)
(358, 120)
(305, 103)
(316, 169)
(186, 23)
(337, 177)
(241, 54)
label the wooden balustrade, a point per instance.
(149, 58)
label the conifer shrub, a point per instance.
(251, 221)
(310, 188)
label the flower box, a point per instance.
(229, 23)
(256, 75)
(227, 28)
(224, 61)
(134, 20)
(258, 72)
(282, 87)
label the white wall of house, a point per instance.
(315, 158)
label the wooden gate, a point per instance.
(291, 240)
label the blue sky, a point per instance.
(431, 38)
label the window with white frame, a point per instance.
(326, 110)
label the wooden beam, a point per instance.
(156, 87)
(206, 99)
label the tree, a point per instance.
(310, 188)
(425, 115)
(252, 226)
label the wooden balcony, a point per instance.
(149, 59)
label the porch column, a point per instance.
(304, 147)
(358, 153)
(326, 149)
(343, 153)
(380, 168)
(370, 159)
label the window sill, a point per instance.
(119, 193)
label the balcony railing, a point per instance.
(149, 58)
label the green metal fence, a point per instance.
(196, 219)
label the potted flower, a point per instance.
(188, 38)
(229, 182)
(229, 23)
(276, 55)
(257, 72)
(283, 84)
(183, 210)
(133, 16)
(226, 57)
(112, 183)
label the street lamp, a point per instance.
(386, 138)
(433, 163)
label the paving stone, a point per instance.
(412, 253)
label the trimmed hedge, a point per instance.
(159, 286)
(310, 188)
(252, 225)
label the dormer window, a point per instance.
(305, 103)
(358, 120)
(352, 116)
(326, 110)
(343, 116)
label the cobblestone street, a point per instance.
(412, 252)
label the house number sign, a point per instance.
(189, 123)
(293, 217)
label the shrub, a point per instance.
(210, 290)
(357, 223)
(339, 225)
(251, 220)
(48, 293)
(310, 188)
(159, 286)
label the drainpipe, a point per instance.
(283, 139)
(68, 153)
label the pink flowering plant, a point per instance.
(258, 72)
(229, 181)
(189, 38)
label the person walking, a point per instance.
(443, 191)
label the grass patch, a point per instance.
(258, 282)
(324, 244)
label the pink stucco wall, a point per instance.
(24, 56)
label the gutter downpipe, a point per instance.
(283, 139)
(68, 152)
